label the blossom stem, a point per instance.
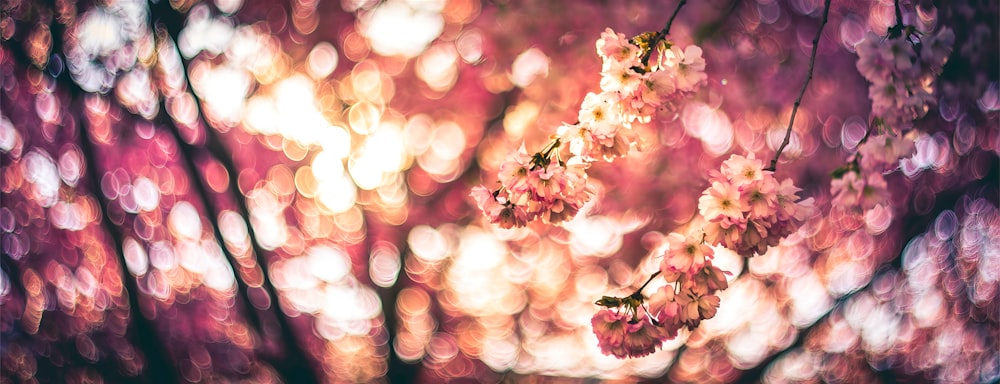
(639, 291)
(666, 29)
(805, 84)
(662, 34)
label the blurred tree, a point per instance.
(279, 191)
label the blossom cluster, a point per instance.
(628, 331)
(901, 68)
(533, 187)
(747, 209)
(687, 265)
(632, 90)
(628, 328)
(543, 185)
(861, 184)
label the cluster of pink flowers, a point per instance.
(691, 296)
(862, 185)
(860, 188)
(543, 185)
(628, 331)
(533, 187)
(747, 209)
(631, 90)
(628, 328)
(901, 69)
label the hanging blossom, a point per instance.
(694, 281)
(634, 326)
(901, 68)
(532, 187)
(860, 187)
(631, 91)
(747, 209)
(543, 185)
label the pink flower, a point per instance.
(497, 209)
(760, 198)
(657, 87)
(846, 190)
(688, 66)
(664, 308)
(696, 307)
(514, 171)
(684, 256)
(623, 336)
(742, 170)
(614, 46)
(619, 77)
(720, 200)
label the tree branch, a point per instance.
(798, 100)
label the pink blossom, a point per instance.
(695, 307)
(622, 335)
(619, 77)
(688, 66)
(742, 170)
(720, 200)
(614, 46)
(684, 255)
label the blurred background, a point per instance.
(277, 191)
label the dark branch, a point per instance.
(809, 76)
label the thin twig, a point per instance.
(666, 29)
(639, 291)
(662, 34)
(809, 76)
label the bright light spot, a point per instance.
(234, 229)
(337, 194)
(365, 170)
(428, 243)
(100, 32)
(402, 28)
(322, 60)
(146, 194)
(418, 133)
(598, 236)
(384, 264)
(135, 257)
(298, 117)
(449, 141)
(204, 33)
(470, 46)
(41, 172)
(71, 165)
(878, 219)
(162, 257)
(184, 221)
(261, 115)
(528, 66)
(480, 250)
(223, 90)
(67, 216)
(364, 117)
(438, 67)
(387, 147)
(228, 6)
(328, 264)
(519, 117)
(8, 135)
(710, 125)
